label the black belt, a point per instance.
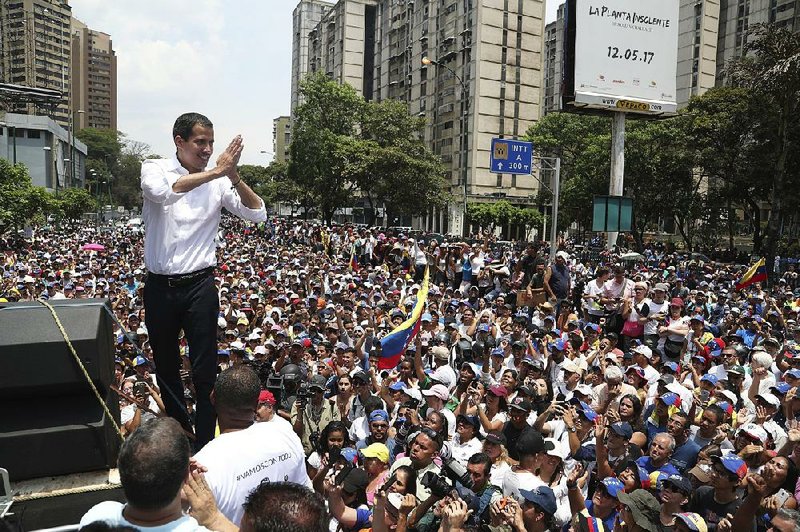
(183, 279)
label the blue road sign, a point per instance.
(511, 157)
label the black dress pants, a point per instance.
(193, 308)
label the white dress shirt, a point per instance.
(181, 227)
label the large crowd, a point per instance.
(539, 393)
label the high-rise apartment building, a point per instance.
(35, 43)
(698, 27)
(553, 62)
(305, 17)
(94, 83)
(281, 138)
(482, 79)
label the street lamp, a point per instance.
(464, 139)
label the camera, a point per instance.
(453, 469)
(303, 393)
(412, 403)
(436, 483)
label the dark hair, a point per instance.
(792, 474)
(153, 463)
(285, 507)
(371, 404)
(237, 388)
(637, 408)
(185, 123)
(445, 422)
(333, 426)
(683, 415)
(602, 271)
(718, 412)
(481, 458)
(411, 475)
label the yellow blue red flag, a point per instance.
(396, 342)
(756, 274)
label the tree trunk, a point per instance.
(776, 213)
(755, 217)
(685, 231)
(731, 215)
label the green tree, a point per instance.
(658, 159)
(502, 213)
(73, 203)
(727, 127)
(324, 122)
(771, 69)
(583, 143)
(104, 147)
(20, 201)
(343, 146)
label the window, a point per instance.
(34, 134)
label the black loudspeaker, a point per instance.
(51, 423)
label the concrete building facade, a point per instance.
(94, 83)
(483, 80)
(281, 138)
(35, 43)
(44, 147)
(305, 17)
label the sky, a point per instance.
(229, 60)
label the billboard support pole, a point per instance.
(615, 185)
(556, 199)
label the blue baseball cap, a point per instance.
(613, 486)
(793, 373)
(399, 385)
(498, 352)
(593, 326)
(587, 411)
(559, 344)
(781, 388)
(139, 361)
(671, 399)
(672, 366)
(483, 327)
(710, 378)
(623, 428)
(543, 497)
(223, 353)
(379, 415)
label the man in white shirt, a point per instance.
(182, 204)
(247, 453)
(158, 445)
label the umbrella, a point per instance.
(632, 256)
(93, 247)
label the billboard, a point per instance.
(623, 55)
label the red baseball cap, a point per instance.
(266, 397)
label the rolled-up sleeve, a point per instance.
(232, 202)
(157, 182)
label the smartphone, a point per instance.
(334, 453)
(140, 389)
(704, 395)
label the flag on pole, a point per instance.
(353, 259)
(395, 343)
(756, 274)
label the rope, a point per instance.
(83, 368)
(65, 491)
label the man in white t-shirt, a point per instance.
(157, 445)
(247, 453)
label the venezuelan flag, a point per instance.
(353, 259)
(756, 274)
(395, 343)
